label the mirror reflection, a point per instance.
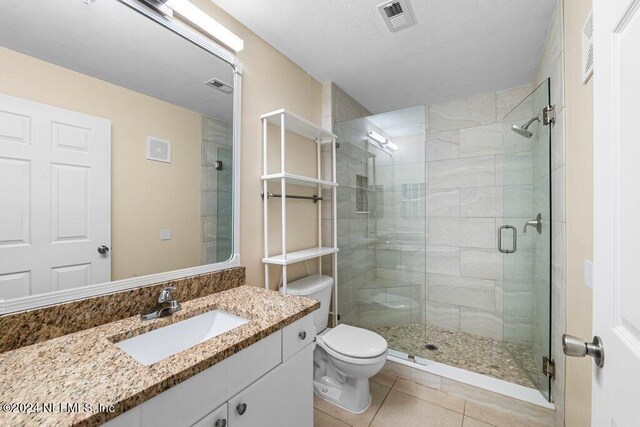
(115, 151)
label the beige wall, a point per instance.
(146, 196)
(270, 81)
(579, 209)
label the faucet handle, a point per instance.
(165, 294)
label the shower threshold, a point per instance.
(477, 361)
(466, 351)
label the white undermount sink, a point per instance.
(159, 344)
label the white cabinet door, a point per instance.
(55, 198)
(217, 418)
(283, 397)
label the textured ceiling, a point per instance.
(457, 48)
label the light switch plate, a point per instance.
(165, 234)
(588, 273)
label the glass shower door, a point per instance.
(525, 235)
(382, 228)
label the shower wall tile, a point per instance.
(462, 232)
(481, 263)
(508, 99)
(557, 142)
(514, 169)
(480, 322)
(518, 200)
(444, 316)
(443, 203)
(481, 202)
(411, 173)
(472, 111)
(481, 140)
(557, 197)
(462, 291)
(402, 276)
(443, 145)
(443, 260)
(411, 150)
(471, 172)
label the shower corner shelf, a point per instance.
(288, 121)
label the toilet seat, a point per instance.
(357, 345)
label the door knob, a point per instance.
(241, 408)
(575, 347)
(103, 249)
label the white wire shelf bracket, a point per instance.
(299, 126)
(299, 256)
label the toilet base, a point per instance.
(345, 396)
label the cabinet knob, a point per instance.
(241, 408)
(302, 335)
(220, 423)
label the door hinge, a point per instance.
(549, 368)
(549, 115)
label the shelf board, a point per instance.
(299, 125)
(298, 180)
(297, 256)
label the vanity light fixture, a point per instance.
(189, 12)
(382, 140)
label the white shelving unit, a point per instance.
(288, 121)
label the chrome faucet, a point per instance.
(537, 223)
(165, 307)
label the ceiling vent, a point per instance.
(221, 86)
(397, 14)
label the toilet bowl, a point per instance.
(345, 356)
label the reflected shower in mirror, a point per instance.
(115, 151)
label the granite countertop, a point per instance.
(86, 367)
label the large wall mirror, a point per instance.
(117, 144)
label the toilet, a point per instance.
(345, 356)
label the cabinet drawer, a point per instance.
(217, 418)
(297, 336)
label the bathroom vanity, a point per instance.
(258, 373)
(242, 390)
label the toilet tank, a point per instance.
(317, 287)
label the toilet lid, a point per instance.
(355, 342)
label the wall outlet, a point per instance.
(165, 234)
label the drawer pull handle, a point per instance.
(221, 423)
(303, 335)
(241, 408)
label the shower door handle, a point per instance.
(515, 239)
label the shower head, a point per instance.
(524, 129)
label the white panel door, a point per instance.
(55, 198)
(616, 276)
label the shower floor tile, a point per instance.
(471, 352)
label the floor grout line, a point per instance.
(331, 416)
(380, 407)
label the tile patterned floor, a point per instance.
(400, 402)
(489, 356)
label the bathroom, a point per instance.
(301, 213)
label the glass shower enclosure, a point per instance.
(434, 252)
